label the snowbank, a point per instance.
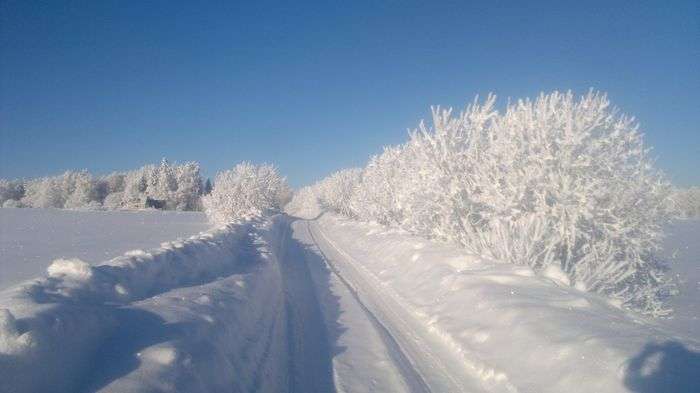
(31, 238)
(512, 328)
(197, 315)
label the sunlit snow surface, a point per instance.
(318, 305)
(509, 325)
(30, 239)
(682, 245)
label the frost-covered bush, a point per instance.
(335, 191)
(386, 182)
(687, 202)
(555, 182)
(245, 191)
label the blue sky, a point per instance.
(314, 87)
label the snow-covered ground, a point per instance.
(329, 304)
(682, 248)
(31, 238)
(505, 328)
(200, 314)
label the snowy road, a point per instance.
(411, 360)
(436, 319)
(320, 305)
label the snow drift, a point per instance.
(190, 310)
(513, 330)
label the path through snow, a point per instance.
(324, 304)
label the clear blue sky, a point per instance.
(314, 87)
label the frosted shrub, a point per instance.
(552, 182)
(245, 191)
(383, 184)
(335, 191)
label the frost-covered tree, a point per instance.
(335, 191)
(178, 185)
(12, 203)
(555, 182)
(45, 192)
(114, 201)
(80, 190)
(245, 191)
(164, 184)
(115, 182)
(72, 189)
(135, 188)
(207, 187)
(110, 184)
(186, 195)
(11, 190)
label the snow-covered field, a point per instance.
(31, 238)
(324, 303)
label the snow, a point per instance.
(330, 304)
(179, 317)
(30, 239)
(510, 330)
(682, 249)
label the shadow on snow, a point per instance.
(664, 367)
(311, 336)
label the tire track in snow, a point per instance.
(409, 372)
(309, 358)
(449, 372)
